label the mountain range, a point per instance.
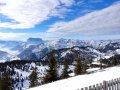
(38, 49)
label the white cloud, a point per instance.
(106, 21)
(25, 36)
(19, 36)
(67, 2)
(61, 13)
(11, 36)
(28, 13)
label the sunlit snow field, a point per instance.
(81, 81)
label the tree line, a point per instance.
(52, 72)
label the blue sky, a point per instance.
(54, 19)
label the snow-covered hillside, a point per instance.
(77, 82)
(20, 71)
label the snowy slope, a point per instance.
(81, 81)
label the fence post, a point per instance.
(115, 84)
(90, 88)
(118, 83)
(105, 85)
(86, 88)
(112, 84)
(109, 85)
(101, 86)
(82, 89)
(97, 87)
(94, 87)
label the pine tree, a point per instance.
(84, 68)
(101, 66)
(114, 61)
(65, 70)
(51, 73)
(6, 82)
(33, 78)
(78, 65)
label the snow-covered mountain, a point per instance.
(4, 56)
(37, 49)
(10, 49)
(34, 41)
(63, 47)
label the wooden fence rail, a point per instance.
(105, 85)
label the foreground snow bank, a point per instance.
(81, 81)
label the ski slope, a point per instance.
(81, 81)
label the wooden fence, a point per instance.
(105, 85)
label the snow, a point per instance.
(8, 50)
(92, 69)
(64, 53)
(81, 81)
(76, 48)
(107, 57)
(24, 73)
(72, 74)
(118, 51)
(40, 70)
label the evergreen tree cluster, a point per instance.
(80, 67)
(52, 71)
(11, 79)
(6, 82)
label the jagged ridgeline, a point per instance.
(37, 49)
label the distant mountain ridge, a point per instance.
(14, 48)
(97, 48)
(34, 40)
(38, 49)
